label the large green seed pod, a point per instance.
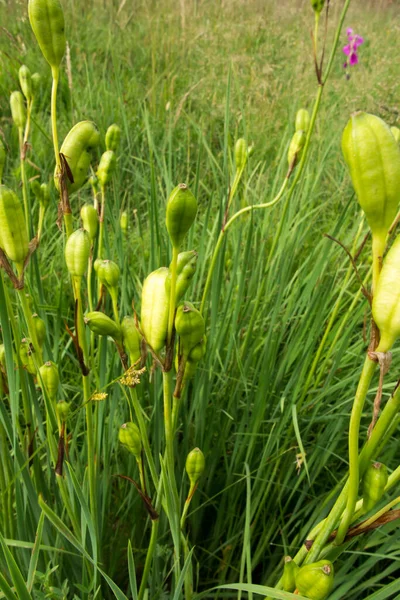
(18, 109)
(198, 351)
(154, 310)
(302, 120)
(190, 327)
(50, 378)
(386, 299)
(13, 236)
(396, 133)
(3, 155)
(101, 324)
(296, 147)
(63, 409)
(129, 436)
(47, 22)
(374, 483)
(373, 158)
(40, 329)
(195, 465)
(25, 354)
(131, 338)
(317, 6)
(181, 212)
(36, 79)
(25, 81)
(290, 570)
(113, 137)
(106, 167)
(77, 148)
(123, 221)
(77, 251)
(315, 581)
(90, 220)
(108, 272)
(241, 154)
(186, 268)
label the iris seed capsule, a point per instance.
(302, 120)
(317, 6)
(190, 326)
(47, 21)
(108, 272)
(315, 581)
(296, 147)
(195, 465)
(129, 436)
(155, 307)
(374, 483)
(90, 220)
(40, 329)
(181, 212)
(386, 299)
(77, 251)
(44, 195)
(123, 221)
(25, 81)
(18, 109)
(63, 409)
(25, 354)
(186, 268)
(101, 324)
(290, 570)
(131, 338)
(106, 167)
(50, 378)
(13, 235)
(113, 137)
(241, 154)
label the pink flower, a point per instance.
(350, 49)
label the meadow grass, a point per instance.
(269, 406)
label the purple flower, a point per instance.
(350, 49)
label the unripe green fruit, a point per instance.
(113, 137)
(77, 148)
(241, 154)
(181, 212)
(302, 120)
(386, 299)
(108, 272)
(13, 235)
(123, 221)
(63, 409)
(44, 195)
(154, 311)
(185, 269)
(25, 354)
(47, 22)
(317, 6)
(3, 155)
(296, 147)
(195, 465)
(374, 483)
(129, 436)
(190, 326)
(40, 329)
(106, 167)
(25, 81)
(50, 378)
(101, 324)
(315, 581)
(198, 352)
(373, 158)
(18, 109)
(131, 338)
(396, 133)
(90, 220)
(290, 570)
(77, 251)
(35, 80)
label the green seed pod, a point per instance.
(25, 354)
(3, 155)
(77, 251)
(396, 133)
(386, 299)
(181, 212)
(241, 154)
(290, 570)
(317, 6)
(25, 81)
(190, 327)
(190, 371)
(186, 268)
(13, 235)
(113, 137)
(44, 195)
(315, 581)
(77, 148)
(374, 483)
(47, 22)
(50, 378)
(123, 221)
(100, 324)
(195, 465)
(373, 158)
(40, 329)
(296, 147)
(18, 109)
(302, 120)
(63, 409)
(90, 220)
(131, 338)
(155, 306)
(35, 80)
(108, 272)
(106, 167)
(198, 352)
(130, 438)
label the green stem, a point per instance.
(101, 226)
(172, 297)
(169, 439)
(55, 71)
(24, 182)
(143, 434)
(152, 544)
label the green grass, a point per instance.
(274, 438)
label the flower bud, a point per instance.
(186, 268)
(108, 272)
(18, 110)
(25, 81)
(113, 137)
(90, 220)
(47, 21)
(302, 120)
(40, 329)
(131, 338)
(290, 570)
(123, 221)
(386, 299)
(63, 409)
(35, 80)
(315, 581)
(396, 133)
(3, 155)
(77, 251)
(101, 324)
(129, 436)
(50, 378)
(240, 154)
(154, 311)
(13, 235)
(317, 6)
(25, 354)
(373, 158)
(190, 327)
(296, 147)
(195, 465)
(106, 167)
(181, 212)
(374, 483)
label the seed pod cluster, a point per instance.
(13, 235)
(185, 269)
(47, 21)
(181, 212)
(190, 327)
(315, 581)
(101, 324)
(155, 306)
(374, 483)
(18, 109)
(77, 251)
(129, 436)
